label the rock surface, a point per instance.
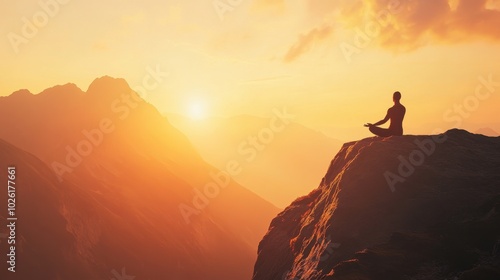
(410, 207)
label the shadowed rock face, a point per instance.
(410, 207)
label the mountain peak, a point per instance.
(487, 131)
(21, 93)
(66, 89)
(434, 199)
(105, 159)
(107, 84)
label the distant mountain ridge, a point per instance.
(131, 190)
(487, 131)
(280, 169)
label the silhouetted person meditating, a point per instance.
(396, 114)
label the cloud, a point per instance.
(479, 17)
(307, 41)
(405, 25)
(419, 23)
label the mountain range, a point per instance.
(280, 167)
(107, 186)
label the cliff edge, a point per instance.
(409, 207)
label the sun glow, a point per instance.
(197, 110)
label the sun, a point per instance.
(197, 110)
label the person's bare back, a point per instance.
(395, 114)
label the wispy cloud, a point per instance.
(307, 41)
(416, 24)
(440, 21)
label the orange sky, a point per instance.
(333, 63)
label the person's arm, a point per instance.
(381, 122)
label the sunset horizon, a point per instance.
(260, 139)
(320, 59)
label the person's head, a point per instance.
(396, 96)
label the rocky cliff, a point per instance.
(410, 207)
